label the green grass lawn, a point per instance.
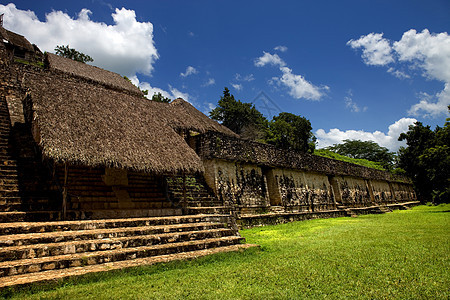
(399, 255)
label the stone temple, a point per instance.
(94, 176)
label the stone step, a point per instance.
(52, 226)
(12, 216)
(65, 236)
(26, 216)
(33, 265)
(86, 246)
(10, 207)
(208, 210)
(7, 193)
(54, 275)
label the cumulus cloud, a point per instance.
(126, 47)
(237, 86)
(271, 59)
(281, 48)
(389, 140)
(298, 86)
(173, 93)
(429, 52)
(376, 49)
(190, 70)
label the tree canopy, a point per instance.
(158, 97)
(239, 116)
(67, 52)
(426, 159)
(368, 150)
(289, 131)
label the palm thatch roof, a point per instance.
(15, 39)
(85, 71)
(83, 123)
(184, 116)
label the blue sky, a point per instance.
(356, 69)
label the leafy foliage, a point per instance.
(289, 131)
(426, 159)
(67, 52)
(368, 150)
(242, 118)
(158, 97)
(356, 161)
(286, 131)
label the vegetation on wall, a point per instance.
(367, 150)
(356, 161)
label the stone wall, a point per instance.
(238, 185)
(255, 178)
(299, 191)
(215, 145)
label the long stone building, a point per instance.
(99, 171)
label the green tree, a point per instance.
(292, 132)
(158, 97)
(67, 52)
(242, 118)
(426, 159)
(368, 150)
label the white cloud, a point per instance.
(173, 93)
(237, 86)
(281, 48)
(211, 106)
(126, 47)
(190, 70)
(211, 81)
(349, 103)
(298, 86)
(397, 73)
(248, 78)
(376, 49)
(271, 59)
(429, 52)
(389, 140)
(432, 106)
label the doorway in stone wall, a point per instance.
(272, 186)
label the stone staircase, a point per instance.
(9, 181)
(41, 251)
(200, 199)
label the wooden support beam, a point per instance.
(64, 204)
(184, 191)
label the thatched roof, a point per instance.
(88, 124)
(15, 39)
(186, 117)
(89, 72)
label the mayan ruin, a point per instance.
(88, 165)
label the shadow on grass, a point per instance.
(146, 270)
